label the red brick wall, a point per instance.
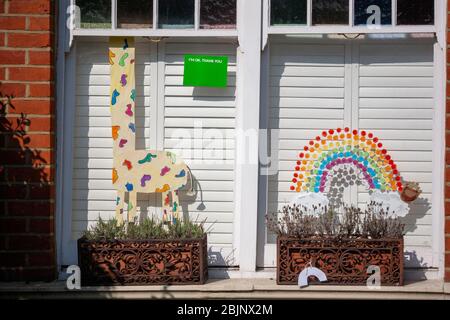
(27, 242)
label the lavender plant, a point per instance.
(380, 223)
(349, 222)
(149, 228)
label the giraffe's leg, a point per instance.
(166, 207)
(119, 206)
(175, 207)
(132, 205)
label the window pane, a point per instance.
(134, 13)
(176, 14)
(330, 12)
(362, 16)
(288, 12)
(217, 14)
(95, 13)
(415, 12)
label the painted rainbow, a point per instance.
(335, 147)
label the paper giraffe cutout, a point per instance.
(334, 149)
(134, 171)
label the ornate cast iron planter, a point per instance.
(344, 261)
(143, 262)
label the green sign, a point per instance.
(205, 71)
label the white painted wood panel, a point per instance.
(93, 194)
(307, 91)
(394, 99)
(405, 102)
(193, 118)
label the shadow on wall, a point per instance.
(416, 265)
(412, 259)
(16, 150)
(23, 174)
(418, 210)
(29, 165)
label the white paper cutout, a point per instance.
(390, 202)
(309, 200)
(310, 271)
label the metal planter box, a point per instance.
(344, 261)
(143, 262)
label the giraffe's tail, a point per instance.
(191, 191)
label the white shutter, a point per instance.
(184, 108)
(93, 194)
(307, 96)
(179, 108)
(396, 101)
(389, 91)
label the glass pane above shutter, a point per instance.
(365, 9)
(217, 14)
(330, 12)
(134, 14)
(288, 12)
(176, 14)
(95, 13)
(415, 12)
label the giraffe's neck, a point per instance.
(123, 95)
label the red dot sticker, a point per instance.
(296, 175)
(380, 145)
(384, 151)
(355, 132)
(331, 131)
(311, 143)
(375, 139)
(292, 188)
(306, 148)
(301, 155)
(294, 180)
(318, 138)
(324, 133)
(298, 162)
(388, 157)
(297, 168)
(370, 135)
(347, 129)
(363, 133)
(338, 130)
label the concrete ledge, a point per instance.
(227, 289)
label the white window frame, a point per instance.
(155, 31)
(440, 59)
(66, 67)
(351, 28)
